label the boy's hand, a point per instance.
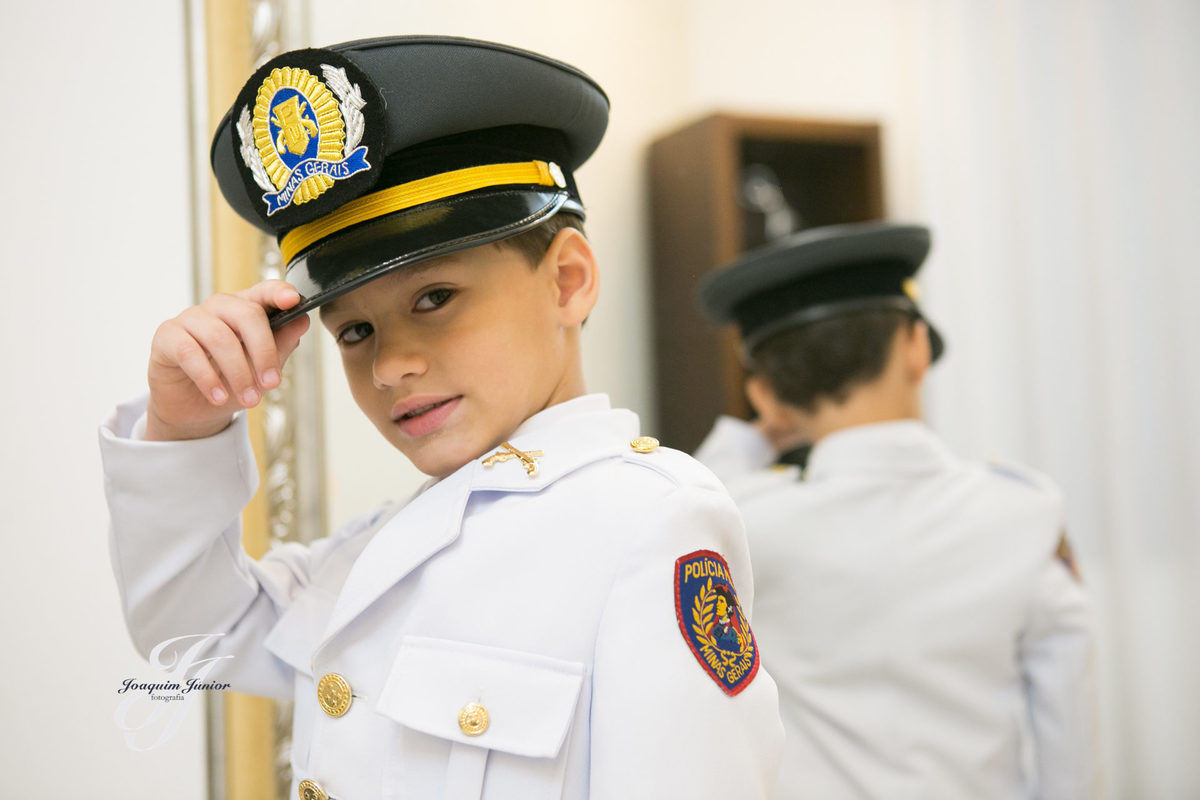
(217, 358)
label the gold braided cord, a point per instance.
(412, 194)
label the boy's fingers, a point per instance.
(248, 319)
(225, 349)
(272, 294)
(192, 358)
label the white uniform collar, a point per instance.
(584, 404)
(604, 424)
(900, 447)
(569, 435)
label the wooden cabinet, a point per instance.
(718, 187)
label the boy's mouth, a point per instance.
(420, 416)
(416, 412)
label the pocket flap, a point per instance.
(530, 699)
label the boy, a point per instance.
(913, 609)
(524, 627)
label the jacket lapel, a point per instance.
(433, 519)
(430, 522)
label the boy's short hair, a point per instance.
(534, 242)
(827, 359)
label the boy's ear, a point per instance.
(918, 351)
(784, 425)
(761, 396)
(576, 275)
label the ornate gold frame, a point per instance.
(248, 737)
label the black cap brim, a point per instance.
(373, 249)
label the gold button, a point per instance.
(333, 693)
(473, 719)
(311, 790)
(644, 444)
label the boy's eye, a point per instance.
(353, 334)
(434, 298)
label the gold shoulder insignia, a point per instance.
(508, 452)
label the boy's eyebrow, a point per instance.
(328, 307)
(417, 270)
(412, 272)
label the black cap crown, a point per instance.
(820, 273)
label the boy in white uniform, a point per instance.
(535, 623)
(920, 613)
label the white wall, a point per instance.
(95, 251)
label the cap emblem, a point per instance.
(303, 135)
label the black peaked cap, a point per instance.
(370, 155)
(817, 274)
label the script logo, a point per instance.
(150, 712)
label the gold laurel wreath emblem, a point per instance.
(331, 129)
(703, 621)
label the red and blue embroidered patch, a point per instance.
(711, 620)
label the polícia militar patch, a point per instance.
(712, 622)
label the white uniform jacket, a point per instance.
(914, 615)
(548, 601)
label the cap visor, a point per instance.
(368, 251)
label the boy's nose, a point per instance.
(394, 362)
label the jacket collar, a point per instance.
(901, 447)
(570, 435)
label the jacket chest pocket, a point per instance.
(499, 718)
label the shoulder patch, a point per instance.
(711, 620)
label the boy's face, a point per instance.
(448, 357)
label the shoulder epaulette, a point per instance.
(675, 465)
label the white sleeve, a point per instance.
(1056, 663)
(176, 549)
(734, 448)
(661, 726)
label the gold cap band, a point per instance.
(415, 193)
